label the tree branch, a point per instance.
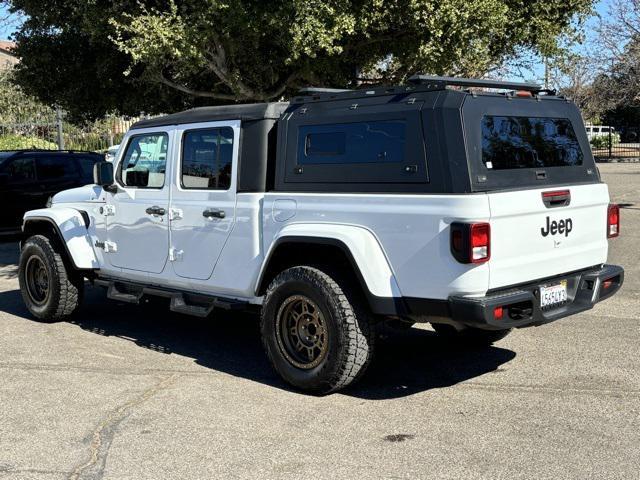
(196, 93)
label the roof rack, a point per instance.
(318, 90)
(417, 83)
(473, 82)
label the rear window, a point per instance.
(510, 142)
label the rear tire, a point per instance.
(317, 334)
(474, 337)
(50, 290)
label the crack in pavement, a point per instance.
(103, 434)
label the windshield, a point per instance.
(510, 142)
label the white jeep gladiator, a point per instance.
(473, 205)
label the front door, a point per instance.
(137, 214)
(203, 197)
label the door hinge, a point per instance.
(108, 210)
(176, 214)
(175, 255)
(108, 247)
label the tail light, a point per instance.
(471, 242)
(613, 221)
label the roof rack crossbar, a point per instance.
(319, 90)
(473, 82)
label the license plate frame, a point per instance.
(553, 295)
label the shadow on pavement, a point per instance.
(407, 362)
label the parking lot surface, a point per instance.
(127, 392)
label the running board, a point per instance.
(188, 303)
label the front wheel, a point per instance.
(49, 289)
(475, 337)
(316, 332)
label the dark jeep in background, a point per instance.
(28, 178)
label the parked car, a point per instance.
(29, 178)
(112, 151)
(602, 131)
(476, 212)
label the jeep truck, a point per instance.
(473, 205)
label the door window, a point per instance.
(56, 168)
(21, 170)
(206, 159)
(145, 161)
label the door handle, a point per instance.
(155, 210)
(213, 213)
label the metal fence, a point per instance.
(615, 143)
(48, 129)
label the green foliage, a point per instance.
(161, 55)
(18, 142)
(16, 106)
(603, 141)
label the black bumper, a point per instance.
(521, 305)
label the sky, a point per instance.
(536, 73)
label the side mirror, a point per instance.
(103, 174)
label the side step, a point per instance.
(179, 305)
(114, 294)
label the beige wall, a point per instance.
(6, 60)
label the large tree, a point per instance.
(157, 55)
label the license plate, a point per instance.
(553, 294)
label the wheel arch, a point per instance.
(69, 227)
(353, 248)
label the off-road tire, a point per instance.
(65, 287)
(469, 336)
(350, 334)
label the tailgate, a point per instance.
(531, 240)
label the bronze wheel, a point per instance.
(50, 290)
(37, 280)
(301, 332)
(315, 331)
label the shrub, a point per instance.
(603, 141)
(18, 142)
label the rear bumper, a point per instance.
(521, 305)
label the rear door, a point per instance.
(548, 206)
(203, 198)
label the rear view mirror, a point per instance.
(103, 174)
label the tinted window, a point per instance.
(86, 166)
(529, 142)
(145, 161)
(56, 167)
(206, 158)
(361, 142)
(5, 155)
(21, 169)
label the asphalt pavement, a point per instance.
(128, 392)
